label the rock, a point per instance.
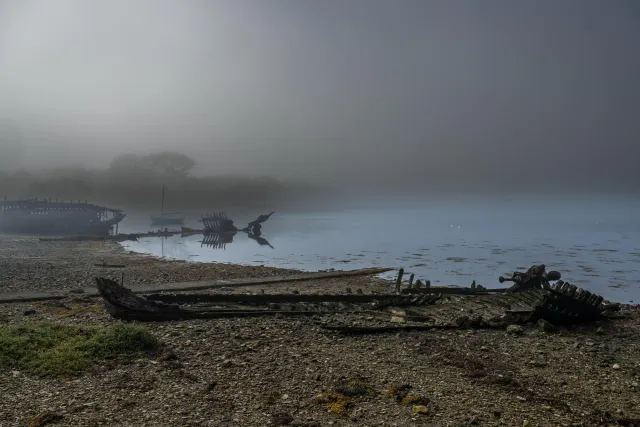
(420, 409)
(397, 319)
(616, 366)
(526, 423)
(281, 419)
(545, 326)
(462, 320)
(515, 329)
(476, 320)
(45, 419)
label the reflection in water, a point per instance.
(261, 240)
(221, 240)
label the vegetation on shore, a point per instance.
(135, 182)
(48, 349)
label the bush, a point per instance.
(48, 349)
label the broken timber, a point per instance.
(200, 285)
(123, 304)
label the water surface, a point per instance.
(593, 242)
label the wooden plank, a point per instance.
(200, 285)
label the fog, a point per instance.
(360, 94)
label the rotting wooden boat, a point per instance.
(560, 304)
(46, 217)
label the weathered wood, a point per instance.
(399, 279)
(451, 290)
(411, 280)
(123, 304)
(260, 299)
(368, 330)
(105, 265)
(201, 285)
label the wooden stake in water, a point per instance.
(411, 280)
(399, 279)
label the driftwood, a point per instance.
(377, 301)
(89, 238)
(534, 278)
(121, 303)
(368, 330)
(105, 265)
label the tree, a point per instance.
(170, 164)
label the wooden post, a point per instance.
(411, 280)
(399, 279)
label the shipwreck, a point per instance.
(46, 217)
(532, 299)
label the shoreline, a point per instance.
(259, 371)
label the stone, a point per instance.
(461, 320)
(420, 409)
(281, 419)
(515, 329)
(616, 366)
(545, 326)
(397, 319)
(476, 320)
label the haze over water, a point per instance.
(594, 242)
(363, 97)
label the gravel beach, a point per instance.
(278, 371)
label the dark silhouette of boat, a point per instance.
(44, 217)
(174, 218)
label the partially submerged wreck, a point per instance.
(219, 222)
(44, 217)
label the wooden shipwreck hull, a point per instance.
(474, 309)
(48, 217)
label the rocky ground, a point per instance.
(288, 371)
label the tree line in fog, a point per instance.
(135, 182)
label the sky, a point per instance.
(358, 93)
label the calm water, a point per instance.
(594, 243)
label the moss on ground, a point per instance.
(53, 350)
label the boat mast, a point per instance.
(162, 205)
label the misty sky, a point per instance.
(359, 91)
